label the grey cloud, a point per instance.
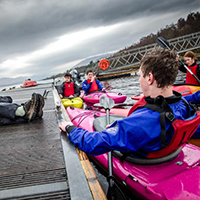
(29, 25)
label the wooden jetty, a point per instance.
(115, 74)
(37, 161)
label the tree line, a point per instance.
(183, 27)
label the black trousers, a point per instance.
(7, 111)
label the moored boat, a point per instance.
(76, 102)
(147, 178)
(29, 83)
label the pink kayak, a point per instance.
(94, 97)
(183, 89)
(176, 176)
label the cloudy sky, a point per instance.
(41, 38)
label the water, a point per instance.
(130, 85)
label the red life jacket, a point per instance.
(69, 89)
(183, 130)
(94, 86)
(189, 78)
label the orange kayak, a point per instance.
(186, 89)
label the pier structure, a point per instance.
(127, 61)
(37, 161)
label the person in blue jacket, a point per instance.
(140, 132)
(92, 84)
(194, 98)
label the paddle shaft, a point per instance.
(110, 162)
(114, 192)
(189, 70)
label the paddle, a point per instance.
(164, 44)
(114, 191)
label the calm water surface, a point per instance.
(126, 85)
(130, 85)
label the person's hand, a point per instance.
(103, 89)
(71, 96)
(61, 96)
(63, 125)
(107, 126)
(93, 78)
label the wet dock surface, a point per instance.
(32, 164)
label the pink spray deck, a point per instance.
(94, 97)
(183, 89)
(178, 179)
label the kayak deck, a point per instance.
(94, 97)
(76, 102)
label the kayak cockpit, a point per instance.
(100, 125)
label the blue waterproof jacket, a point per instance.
(196, 99)
(139, 132)
(86, 87)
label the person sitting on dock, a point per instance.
(92, 84)
(68, 88)
(150, 129)
(11, 113)
(191, 62)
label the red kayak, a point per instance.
(183, 89)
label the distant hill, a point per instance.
(180, 28)
(12, 81)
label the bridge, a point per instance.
(131, 58)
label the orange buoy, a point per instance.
(104, 64)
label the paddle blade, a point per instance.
(107, 103)
(162, 42)
(115, 193)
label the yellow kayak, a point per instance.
(76, 102)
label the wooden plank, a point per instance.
(97, 190)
